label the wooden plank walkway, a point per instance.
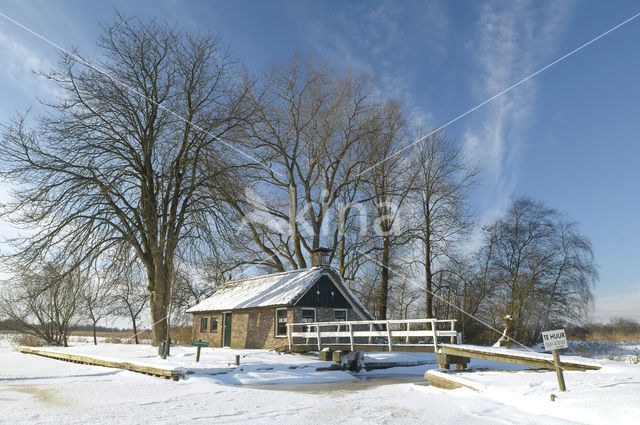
(500, 354)
(75, 358)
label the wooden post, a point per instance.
(237, 360)
(370, 330)
(406, 340)
(198, 354)
(453, 328)
(318, 336)
(556, 361)
(289, 335)
(435, 337)
(351, 336)
(389, 337)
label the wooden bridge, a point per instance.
(447, 352)
(414, 335)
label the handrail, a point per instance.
(313, 330)
(380, 322)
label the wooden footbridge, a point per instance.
(413, 335)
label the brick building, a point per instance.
(253, 313)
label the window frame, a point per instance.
(275, 331)
(315, 314)
(214, 319)
(346, 314)
(302, 319)
(341, 328)
(204, 324)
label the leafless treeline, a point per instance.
(168, 153)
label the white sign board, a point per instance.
(554, 340)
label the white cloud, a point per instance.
(621, 305)
(20, 62)
(512, 40)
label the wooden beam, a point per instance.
(442, 380)
(487, 354)
(75, 358)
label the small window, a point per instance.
(340, 315)
(308, 315)
(281, 322)
(203, 324)
(214, 323)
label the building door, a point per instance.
(227, 330)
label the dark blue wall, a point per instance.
(323, 293)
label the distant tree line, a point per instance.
(165, 169)
(12, 325)
(617, 329)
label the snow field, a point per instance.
(39, 390)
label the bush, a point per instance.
(27, 340)
(181, 336)
(143, 338)
(618, 329)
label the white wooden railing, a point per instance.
(379, 333)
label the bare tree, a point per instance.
(442, 217)
(463, 293)
(130, 155)
(542, 269)
(45, 302)
(127, 276)
(403, 296)
(98, 299)
(388, 183)
(308, 133)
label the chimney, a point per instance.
(321, 257)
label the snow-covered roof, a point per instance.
(261, 291)
(284, 288)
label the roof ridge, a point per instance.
(270, 275)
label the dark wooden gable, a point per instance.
(323, 293)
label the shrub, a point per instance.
(181, 336)
(27, 340)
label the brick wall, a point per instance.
(252, 328)
(213, 338)
(255, 328)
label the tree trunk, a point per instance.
(135, 329)
(95, 339)
(159, 301)
(384, 283)
(429, 278)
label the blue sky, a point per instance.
(568, 137)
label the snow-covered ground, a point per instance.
(269, 387)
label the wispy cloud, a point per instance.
(20, 62)
(379, 39)
(512, 40)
